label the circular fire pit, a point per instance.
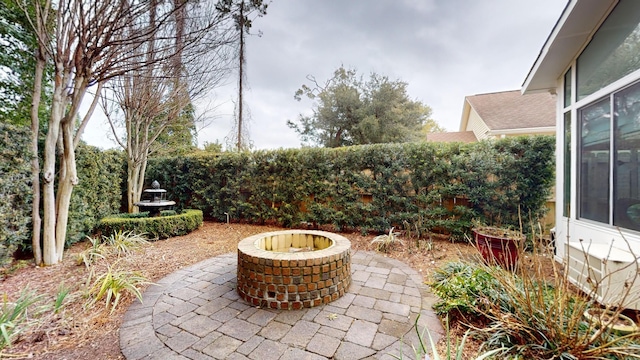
(293, 269)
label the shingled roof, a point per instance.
(512, 110)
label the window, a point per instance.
(594, 161)
(614, 51)
(626, 212)
(601, 133)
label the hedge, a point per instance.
(99, 193)
(159, 227)
(425, 186)
(15, 190)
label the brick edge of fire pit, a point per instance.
(283, 280)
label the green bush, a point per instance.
(101, 177)
(159, 227)
(524, 314)
(15, 190)
(464, 289)
(431, 186)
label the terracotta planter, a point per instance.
(498, 246)
(621, 325)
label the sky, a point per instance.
(443, 49)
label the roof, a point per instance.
(460, 136)
(512, 110)
(569, 36)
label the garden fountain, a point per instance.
(154, 200)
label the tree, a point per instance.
(151, 110)
(242, 12)
(350, 111)
(24, 66)
(17, 64)
(87, 42)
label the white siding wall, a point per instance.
(475, 124)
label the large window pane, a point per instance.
(594, 172)
(566, 206)
(626, 212)
(613, 52)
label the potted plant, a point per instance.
(498, 245)
(614, 320)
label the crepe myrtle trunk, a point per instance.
(35, 161)
(49, 251)
(135, 182)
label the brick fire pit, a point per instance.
(293, 269)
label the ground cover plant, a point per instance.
(532, 312)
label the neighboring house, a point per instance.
(461, 136)
(591, 60)
(509, 113)
(501, 114)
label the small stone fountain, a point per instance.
(154, 200)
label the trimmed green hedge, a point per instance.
(98, 193)
(102, 178)
(427, 186)
(159, 227)
(15, 190)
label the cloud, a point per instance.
(445, 50)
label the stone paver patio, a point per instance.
(196, 313)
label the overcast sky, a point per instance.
(444, 49)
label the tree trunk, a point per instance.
(49, 250)
(36, 221)
(241, 61)
(68, 179)
(135, 179)
(133, 188)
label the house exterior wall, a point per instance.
(599, 242)
(475, 124)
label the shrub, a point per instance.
(94, 252)
(370, 187)
(15, 190)
(464, 288)
(159, 227)
(532, 312)
(99, 190)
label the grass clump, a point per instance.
(111, 284)
(454, 351)
(384, 242)
(14, 316)
(120, 243)
(124, 242)
(106, 281)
